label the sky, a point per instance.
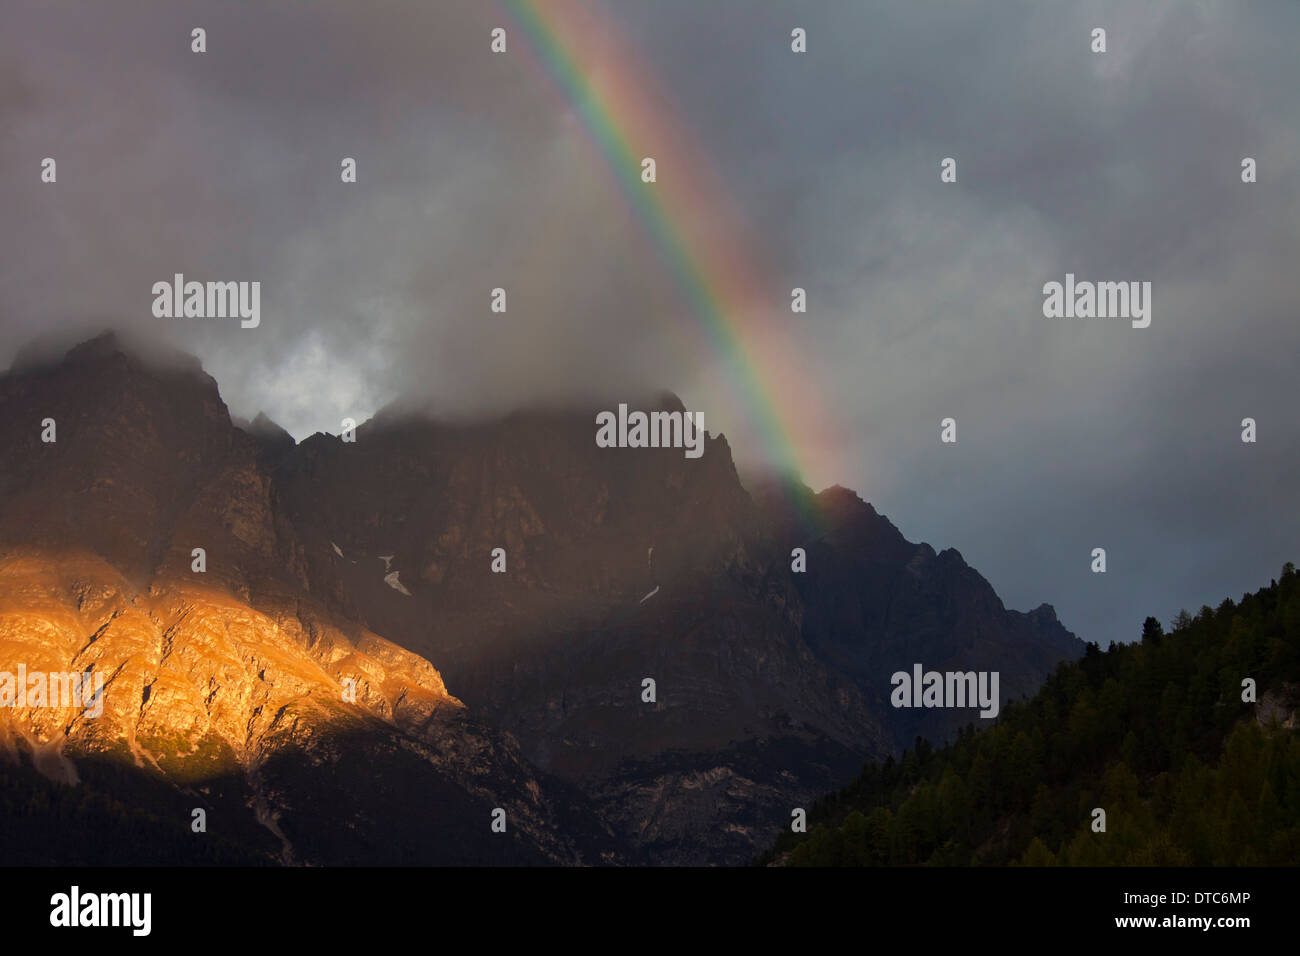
(818, 170)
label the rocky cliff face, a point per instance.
(238, 671)
(618, 568)
(329, 560)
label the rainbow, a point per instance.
(685, 214)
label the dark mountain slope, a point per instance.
(619, 567)
(875, 603)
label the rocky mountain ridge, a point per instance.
(373, 561)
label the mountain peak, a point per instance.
(264, 428)
(103, 345)
(49, 352)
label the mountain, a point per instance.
(914, 607)
(227, 684)
(328, 561)
(1186, 741)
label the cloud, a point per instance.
(924, 298)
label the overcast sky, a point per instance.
(925, 298)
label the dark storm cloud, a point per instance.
(925, 299)
(225, 165)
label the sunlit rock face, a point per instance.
(274, 623)
(192, 663)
